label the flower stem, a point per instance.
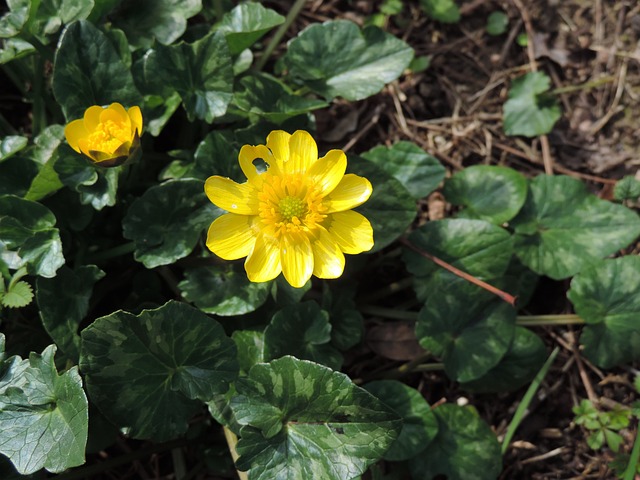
(543, 320)
(275, 40)
(118, 251)
(232, 440)
(388, 312)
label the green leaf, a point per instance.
(607, 297)
(73, 170)
(102, 192)
(11, 145)
(497, 23)
(452, 321)
(167, 220)
(445, 11)
(14, 48)
(302, 330)
(614, 440)
(17, 296)
(390, 209)
(491, 193)
(163, 20)
(628, 188)
(201, 72)
(17, 173)
(419, 425)
(250, 346)
(465, 448)
(347, 324)
(217, 153)
(530, 111)
(562, 227)
(418, 171)
(337, 59)
(596, 440)
(284, 294)
(64, 302)
(262, 97)
(43, 415)
(46, 154)
(145, 372)
(223, 289)
(52, 14)
(88, 71)
(523, 360)
(303, 420)
(246, 24)
(12, 22)
(158, 111)
(473, 246)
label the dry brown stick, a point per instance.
(613, 109)
(586, 382)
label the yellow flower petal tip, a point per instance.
(293, 218)
(108, 136)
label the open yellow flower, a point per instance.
(293, 218)
(107, 135)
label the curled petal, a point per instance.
(351, 231)
(92, 117)
(328, 171)
(328, 259)
(135, 115)
(352, 191)
(117, 114)
(303, 152)
(75, 131)
(239, 198)
(296, 257)
(263, 263)
(278, 143)
(248, 154)
(231, 236)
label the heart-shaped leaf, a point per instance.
(530, 111)
(246, 23)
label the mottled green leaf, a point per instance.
(302, 330)
(223, 289)
(390, 209)
(303, 420)
(45, 152)
(63, 302)
(488, 192)
(628, 188)
(250, 344)
(145, 372)
(530, 111)
(518, 367)
(419, 422)
(562, 228)
(465, 448)
(11, 144)
(497, 23)
(102, 192)
(418, 171)
(167, 220)
(452, 321)
(83, 48)
(246, 23)
(201, 72)
(52, 14)
(74, 170)
(43, 415)
(606, 296)
(445, 11)
(337, 59)
(163, 20)
(13, 20)
(158, 111)
(14, 48)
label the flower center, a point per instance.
(290, 207)
(108, 136)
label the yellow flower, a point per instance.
(107, 135)
(293, 218)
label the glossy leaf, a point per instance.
(13, 20)
(102, 192)
(246, 24)
(606, 296)
(562, 227)
(390, 209)
(45, 152)
(63, 302)
(419, 425)
(167, 220)
(52, 14)
(418, 171)
(302, 420)
(201, 72)
(465, 448)
(452, 321)
(491, 193)
(84, 48)
(43, 415)
(10, 145)
(14, 48)
(337, 59)
(628, 188)
(303, 331)
(17, 173)
(223, 289)
(445, 11)
(347, 324)
(530, 111)
(250, 344)
(146, 372)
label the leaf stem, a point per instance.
(583, 86)
(632, 466)
(232, 440)
(118, 251)
(275, 40)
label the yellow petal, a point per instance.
(135, 115)
(352, 191)
(117, 114)
(303, 152)
(233, 197)
(92, 117)
(296, 257)
(351, 230)
(248, 154)
(328, 259)
(74, 131)
(263, 263)
(83, 144)
(231, 236)
(278, 143)
(329, 170)
(119, 110)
